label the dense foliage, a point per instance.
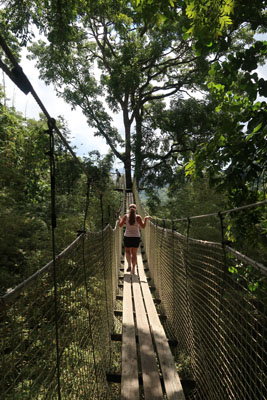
(128, 57)
(132, 54)
(25, 228)
(200, 152)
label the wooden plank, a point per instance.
(172, 383)
(129, 364)
(150, 372)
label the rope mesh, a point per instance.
(84, 324)
(215, 303)
(214, 299)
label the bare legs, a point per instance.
(128, 257)
(131, 257)
(134, 258)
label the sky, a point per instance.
(82, 136)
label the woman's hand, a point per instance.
(148, 217)
(122, 220)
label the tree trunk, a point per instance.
(128, 174)
(127, 159)
(138, 146)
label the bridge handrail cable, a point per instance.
(215, 302)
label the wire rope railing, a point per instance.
(214, 298)
(17, 75)
(28, 324)
(215, 301)
(67, 305)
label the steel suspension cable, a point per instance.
(20, 79)
(51, 124)
(252, 205)
(221, 323)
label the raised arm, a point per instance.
(122, 220)
(141, 222)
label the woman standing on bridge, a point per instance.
(132, 235)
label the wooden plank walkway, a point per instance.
(129, 371)
(156, 359)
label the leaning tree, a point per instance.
(101, 57)
(106, 58)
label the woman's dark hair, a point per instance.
(132, 209)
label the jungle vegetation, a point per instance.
(185, 82)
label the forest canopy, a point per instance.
(137, 54)
(183, 76)
(25, 195)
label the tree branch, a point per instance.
(102, 131)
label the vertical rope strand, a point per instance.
(224, 256)
(221, 291)
(189, 308)
(86, 282)
(160, 273)
(104, 272)
(51, 126)
(173, 270)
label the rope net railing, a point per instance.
(56, 326)
(215, 302)
(87, 277)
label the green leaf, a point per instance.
(190, 168)
(186, 35)
(221, 141)
(258, 127)
(161, 19)
(233, 270)
(252, 286)
(209, 44)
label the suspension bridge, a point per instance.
(187, 326)
(183, 327)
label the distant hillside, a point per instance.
(162, 194)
